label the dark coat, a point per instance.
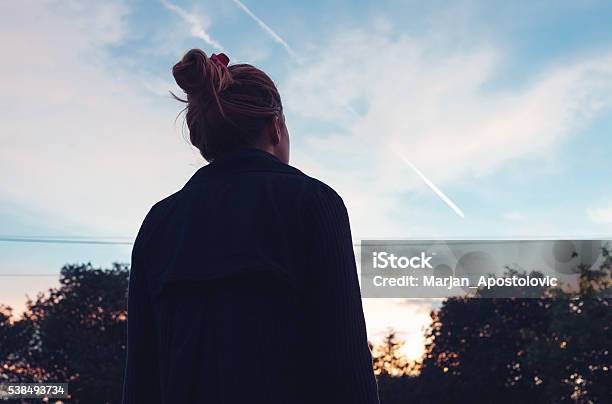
(243, 289)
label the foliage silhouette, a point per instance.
(479, 350)
(75, 333)
(509, 350)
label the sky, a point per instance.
(502, 107)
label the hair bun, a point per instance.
(193, 72)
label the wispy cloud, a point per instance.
(277, 38)
(102, 92)
(197, 29)
(513, 216)
(600, 215)
(432, 105)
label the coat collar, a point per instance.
(245, 155)
(246, 159)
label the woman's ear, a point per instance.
(274, 131)
(278, 126)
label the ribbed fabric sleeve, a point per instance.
(338, 321)
(141, 379)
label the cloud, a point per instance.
(81, 144)
(76, 121)
(513, 216)
(440, 108)
(277, 38)
(600, 214)
(195, 22)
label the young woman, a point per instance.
(243, 286)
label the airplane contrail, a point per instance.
(266, 28)
(431, 185)
(196, 24)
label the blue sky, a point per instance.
(505, 106)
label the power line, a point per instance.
(72, 240)
(65, 236)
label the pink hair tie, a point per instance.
(220, 59)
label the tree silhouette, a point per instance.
(479, 350)
(389, 360)
(504, 350)
(395, 373)
(77, 332)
